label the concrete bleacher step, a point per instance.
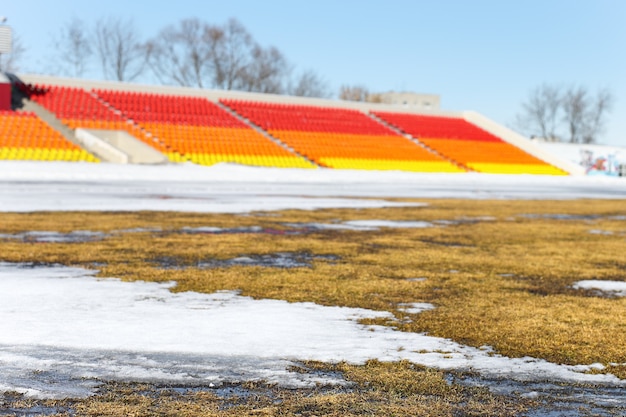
(420, 144)
(263, 132)
(120, 147)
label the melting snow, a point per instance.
(615, 288)
(331, 226)
(223, 188)
(421, 279)
(55, 237)
(61, 327)
(389, 223)
(362, 225)
(415, 308)
(601, 232)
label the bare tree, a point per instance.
(180, 54)
(10, 62)
(575, 105)
(231, 51)
(197, 54)
(122, 54)
(597, 116)
(266, 72)
(310, 84)
(541, 113)
(353, 93)
(584, 114)
(572, 110)
(73, 48)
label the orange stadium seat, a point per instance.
(23, 136)
(340, 138)
(468, 144)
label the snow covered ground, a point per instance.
(61, 326)
(31, 186)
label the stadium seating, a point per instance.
(200, 130)
(340, 138)
(76, 108)
(468, 145)
(23, 136)
(195, 129)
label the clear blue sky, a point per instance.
(482, 55)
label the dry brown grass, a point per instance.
(506, 283)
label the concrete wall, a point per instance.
(5, 92)
(414, 101)
(95, 144)
(5, 96)
(119, 147)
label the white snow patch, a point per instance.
(223, 188)
(138, 230)
(202, 229)
(362, 225)
(601, 232)
(61, 326)
(389, 223)
(415, 308)
(55, 237)
(616, 288)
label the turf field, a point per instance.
(418, 306)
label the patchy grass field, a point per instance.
(399, 389)
(500, 273)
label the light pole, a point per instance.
(6, 40)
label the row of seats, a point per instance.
(196, 111)
(38, 154)
(71, 103)
(308, 118)
(422, 126)
(23, 136)
(356, 146)
(247, 159)
(468, 145)
(340, 138)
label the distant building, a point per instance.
(413, 101)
